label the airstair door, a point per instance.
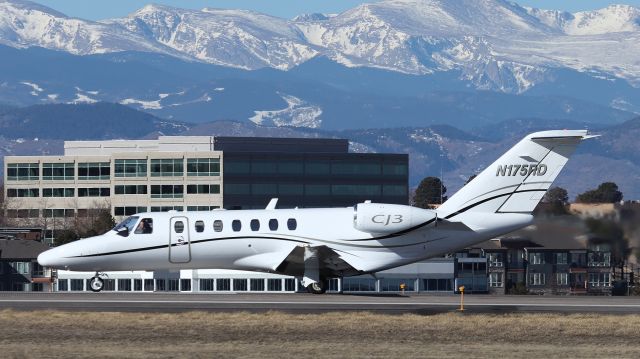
(179, 243)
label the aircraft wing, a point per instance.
(331, 263)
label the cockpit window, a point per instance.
(145, 226)
(127, 223)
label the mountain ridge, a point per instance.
(483, 39)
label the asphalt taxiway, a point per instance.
(308, 303)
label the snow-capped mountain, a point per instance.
(494, 44)
(26, 24)
(236, 38)
(384, 64)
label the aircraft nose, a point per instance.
(50, 258)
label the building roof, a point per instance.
(279, 144)
(21, 249)
(207, 144)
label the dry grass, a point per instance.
(332, 335)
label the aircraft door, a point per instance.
(179, 243)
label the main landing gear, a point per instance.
(311, 278)
(96, 283)
(317, 287)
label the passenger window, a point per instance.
(236, 225)
(199, 226)
(255, 225)
(273, 224)
(217, 225)
(178, 226)
(292, 224)
(145, 226)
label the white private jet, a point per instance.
(314, 244)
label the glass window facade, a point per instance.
(599, 280)
(58, 192)
(496, 280)
(290, 284)
(23, 213)
(167, 191)
(203, 188)
(58, 213)
(437, 285)
(355, 190)
(94, 192)
(223, 284)
(124, 285)
(94, 171)
(206, 284)
(173, 167)
(293, 189)
(274, 285)
(395, 285)
(356, 168)
(562, 258)
(352, 284)
(240, 285)
(199, 167)
(185, 285)
(130, 168)
(58, 171)
(256, 284)
(201, 208)
(23, 192)
(23, 171)
(130, 189)
(395, 169)
(128, 211)
(165, 208)
(251, 179)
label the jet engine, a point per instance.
(383, 218)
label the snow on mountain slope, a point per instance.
(235, 38)
(26, 24)
(298, 113)
(493, 44)
(615, 18)
(612, 19)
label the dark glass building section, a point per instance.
(308, 173)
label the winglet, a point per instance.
(272, 204)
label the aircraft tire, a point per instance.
(96, 284)
(317, 288)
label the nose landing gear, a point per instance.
(96, 283)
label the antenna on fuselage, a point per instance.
(272, 204)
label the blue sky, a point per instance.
(102, 9)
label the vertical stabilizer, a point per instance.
(518, 180)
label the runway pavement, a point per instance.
(308, 303)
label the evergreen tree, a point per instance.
(554, 202)
(607, 192)
(430, 191)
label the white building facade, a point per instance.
(125, 176)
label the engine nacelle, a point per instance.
(388, 218)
